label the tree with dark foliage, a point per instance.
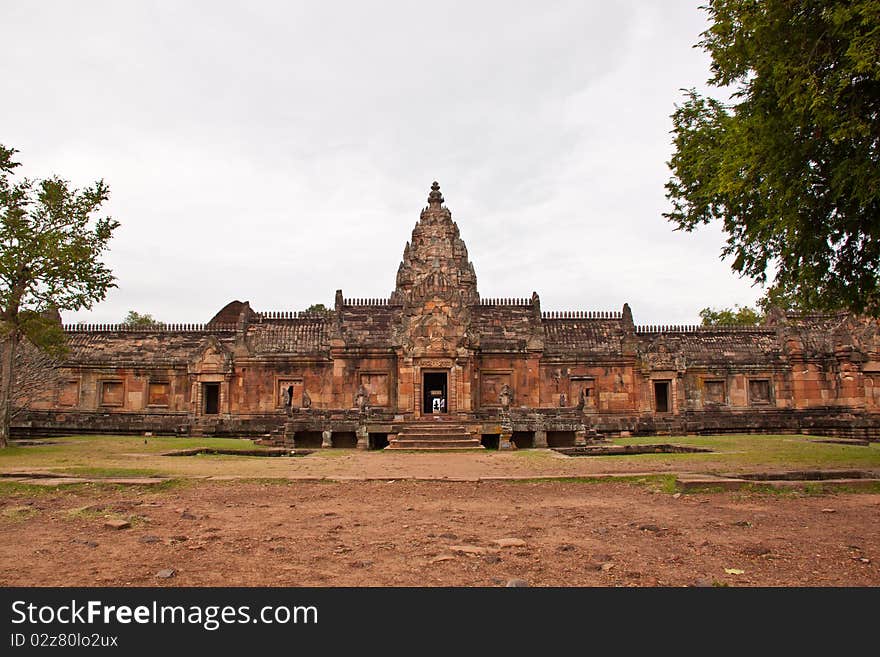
(50, 260)
(791, 165)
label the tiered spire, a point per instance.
(435, 198)
(435, 261)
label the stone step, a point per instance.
(435, 443)
(433, 428)
(431, 434)
(435, 436)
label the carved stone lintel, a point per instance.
(439, 363)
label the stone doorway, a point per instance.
(661, 396)
(435, 390)
(211, 394)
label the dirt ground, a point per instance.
(419, 533)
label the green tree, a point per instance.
(791, 165)
(140, 321)
(736, 316)
(317, 308)
(49, 262)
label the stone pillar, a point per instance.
(363, 437)
(541, 438)
(288, 435)
(580, 438)
(327, 438)
(504, 440)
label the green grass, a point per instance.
(744, 451)
(87, 471)
(18, 513)
(128, 456)
(102, 515)
(15, 488)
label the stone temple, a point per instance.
(436, 365)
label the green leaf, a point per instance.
(791, 166)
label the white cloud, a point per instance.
(275, 152)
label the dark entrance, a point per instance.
(661, 396)
(434, 392)
(211, 392)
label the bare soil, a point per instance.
(420, 533)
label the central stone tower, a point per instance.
(435, 260)
(436, 292)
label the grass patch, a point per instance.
(14, 488)
(776, 451)
(100, 514)
(18, 513)
(131, 456)
(87, 513)
(108, 472)
(699, 490)
(10, 489)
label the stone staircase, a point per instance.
(281, 436)
(434, 435)
(203, 426)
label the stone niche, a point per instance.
(714, 392)
(491, 384)
(159, 393)
(376, 384)
(297, 397)
(68, 394)
(112, 393)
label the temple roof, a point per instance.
(297, 336)
(138, 348)
(590, 337)
(719, 346)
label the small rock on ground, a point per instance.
(516, 583)
(166, 573)
(442, 557)
(117, 524)
(468, 549)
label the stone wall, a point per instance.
(568, 370)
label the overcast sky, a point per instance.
(276, 151)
